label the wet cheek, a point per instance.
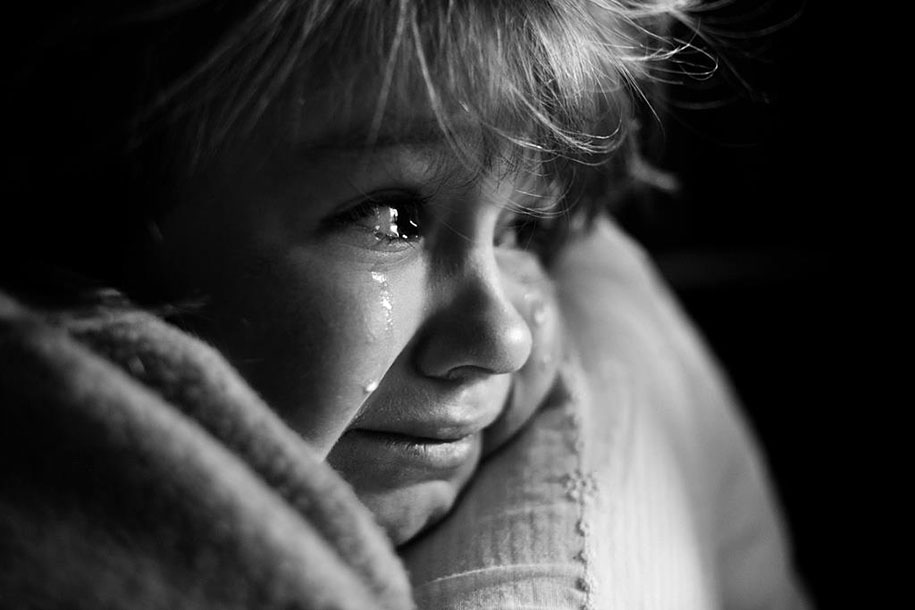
(372, 341)
(350, 359)
(538, 306)
(532, 293)
(398, 301)
(379, 303)
(364, 320)
(314, 345)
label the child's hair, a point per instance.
(117, 105)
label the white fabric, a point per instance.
(638, 486)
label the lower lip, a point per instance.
(428, 454)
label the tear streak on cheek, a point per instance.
(386, 299)
(534, 298)
(380, 351)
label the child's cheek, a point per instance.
(316, 342)
(532, 293)
(358, 315)
(366, 318)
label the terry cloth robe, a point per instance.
(137, 471)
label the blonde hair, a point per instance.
(553, 76)
(153, 93)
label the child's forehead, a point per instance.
(362, 111)
(330, 129)
(335, 122)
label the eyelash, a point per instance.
(407, 210)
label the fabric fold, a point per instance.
(139, 471)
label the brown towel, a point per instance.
(137, 470)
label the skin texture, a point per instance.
(377, 298)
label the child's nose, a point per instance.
(476, 330)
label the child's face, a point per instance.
(375, 298)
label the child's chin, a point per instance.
(407, 512)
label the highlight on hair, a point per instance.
(155, 89)
(556, 77)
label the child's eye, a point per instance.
(390, 219)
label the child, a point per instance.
(383, 216)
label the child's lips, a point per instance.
(433, 445)
(434, 419)
(406, 440)
(427, 454)
(439, 429)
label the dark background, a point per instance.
(766, 245)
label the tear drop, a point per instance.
(539, 313)
(545, 361)
(387, 302)
(370, 387)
